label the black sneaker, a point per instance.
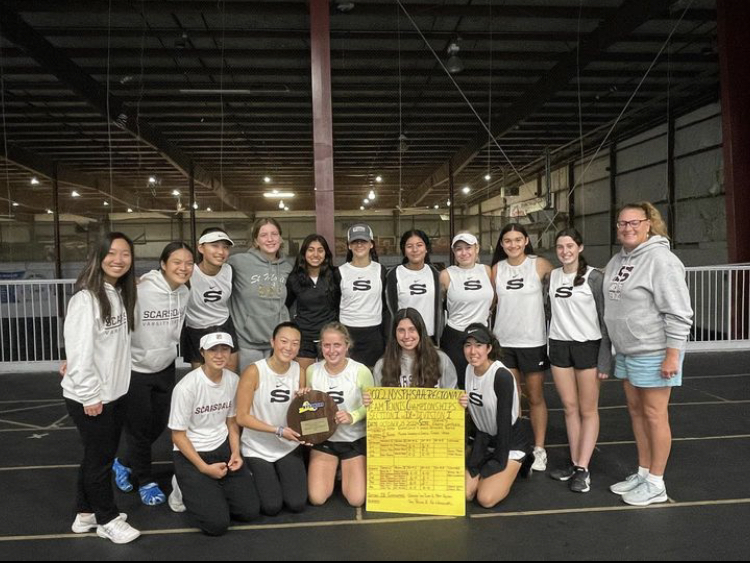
(563, 473)
(581, 481)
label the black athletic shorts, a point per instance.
(526, 360)
(308, 346)
(343, 450)
(190, 340)
(570, 354)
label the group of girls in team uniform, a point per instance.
(352, 328)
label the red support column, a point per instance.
(734, 41)
(320, 64)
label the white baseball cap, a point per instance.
(215, 236)
(212, 339)
(468, 238)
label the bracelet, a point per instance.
(280, 431)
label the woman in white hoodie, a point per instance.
(162, 300)
(648, 316)
(98, 323)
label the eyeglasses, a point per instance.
(635, 223)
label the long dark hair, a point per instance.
(415, 233)
(500, 251)
(582, 264)
(326, 268)
(92, 278)
(426, 368)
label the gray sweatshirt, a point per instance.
(647, 303)
(258, 297)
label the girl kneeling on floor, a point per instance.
(502, 446)
(269, 446)
(214, 482)
(344, 380)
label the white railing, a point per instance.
(32, 314)
(721, 304)
(31, 323)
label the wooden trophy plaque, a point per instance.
(313, 416)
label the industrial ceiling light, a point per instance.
(152, 179)
(34, 181)
(175, 192)
(487, 177)
(344, 7)
(195, 205)
(106, 204)
(16, 204)
(276, 194)
(371, 195)
(209, 209)
(281, 205)
(466, 189)
(267, 179)
(454, 64)
(74, 193)
(403, 143)
(130, 209)
(379, 179)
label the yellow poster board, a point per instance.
(415, 452)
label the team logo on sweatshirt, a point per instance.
(615, 287)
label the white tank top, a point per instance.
(270, 404)
(483, 400)
(469, 296)
(416, 289)
(519, 322)
(344, 389)
(574, 316)
(361, 295)
(209, 298)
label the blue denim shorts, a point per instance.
(645, 371)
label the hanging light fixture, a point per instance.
(454, 64)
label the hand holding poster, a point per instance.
(415, 451)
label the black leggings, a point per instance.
(100, 436)
(212, 501)
(283, 482)
(146, 415)
(452, 343)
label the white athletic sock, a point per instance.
(642, 472)
(657, 480)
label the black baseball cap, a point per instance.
(478, 332)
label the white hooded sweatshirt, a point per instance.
(98, 350)
(160, 313)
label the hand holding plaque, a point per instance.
(313, 416)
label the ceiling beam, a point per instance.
(46, 167)
(15, 29)
(628, 17)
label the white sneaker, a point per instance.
(540, 459)
(646, 493)
(630, 483)
(86, 522)
(175, 497)
(117, 531)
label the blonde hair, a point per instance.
(341, 329)
(658, 226)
